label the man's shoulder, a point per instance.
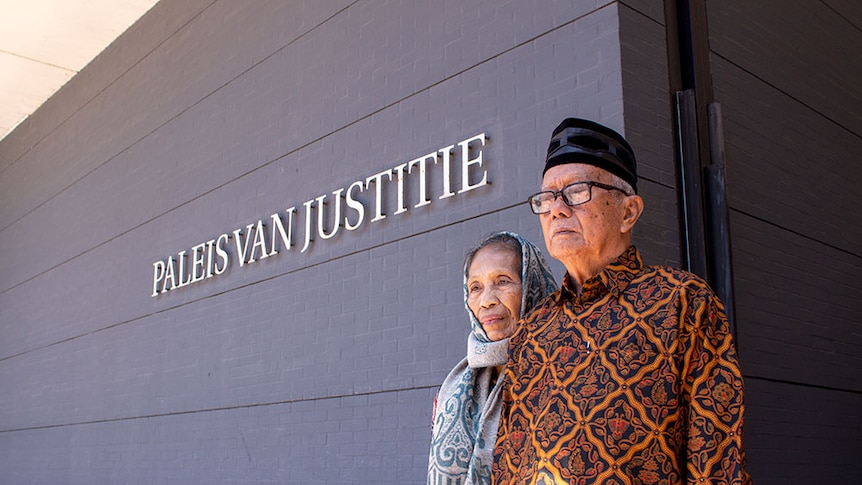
(673, 275)
(629, 268)
(672, 285)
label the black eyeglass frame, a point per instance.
(559, 193)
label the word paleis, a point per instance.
(266, 237)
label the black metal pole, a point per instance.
(690, 192)
(718, 218)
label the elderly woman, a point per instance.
(504, 277)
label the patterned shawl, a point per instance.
(468, 404)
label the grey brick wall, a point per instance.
(305, 367)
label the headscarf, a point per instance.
(469, 402)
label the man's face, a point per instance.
(587, 235)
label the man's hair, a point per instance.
(621, 184)
(504, 241)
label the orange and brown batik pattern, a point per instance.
(634, 381)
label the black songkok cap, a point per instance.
(577, 140)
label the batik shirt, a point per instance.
(632, 380)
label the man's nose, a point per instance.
(559, 207)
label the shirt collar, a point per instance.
(614, 278)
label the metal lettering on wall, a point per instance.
(254, 242)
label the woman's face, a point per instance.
(494, 290)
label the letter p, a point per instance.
(158, 275)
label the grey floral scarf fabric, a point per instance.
(468, 404)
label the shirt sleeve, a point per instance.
(714, 387)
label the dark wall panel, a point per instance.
(652, 10)
(786, 163)
(786, 76)
(799, 306)
(807, 50)
(802, 434)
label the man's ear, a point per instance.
(633, 207)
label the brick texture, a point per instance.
(304, 367)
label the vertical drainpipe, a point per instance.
(718, 217)
(704, 224)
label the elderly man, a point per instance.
(628, 373)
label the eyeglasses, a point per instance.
(573, 194)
